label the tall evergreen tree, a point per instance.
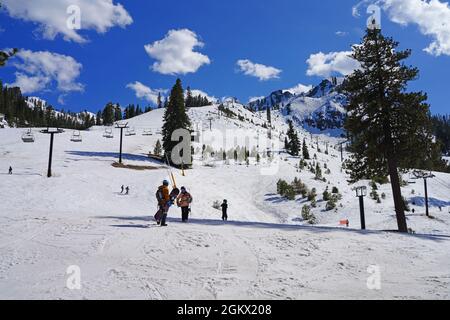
(189, 98)
(159, 101)
(98, 118)
(108, 114)
(175, 117)
(389, 128)
(293, 146)
(117, 113)
(305, 150)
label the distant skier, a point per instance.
(184, 200)
(127, 190)
(122, 188)
(163, 198)
(10, 170)
(224, 206)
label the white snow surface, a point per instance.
(265, 251)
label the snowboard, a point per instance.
(173, 195)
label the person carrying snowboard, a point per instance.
(163, 198)
(224, 206)
(184, 200)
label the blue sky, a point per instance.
(281, 34)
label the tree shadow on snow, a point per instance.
(265, 225)
(114, 155)
(432, 202)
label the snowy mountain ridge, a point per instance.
(322, 109)
(37, 102)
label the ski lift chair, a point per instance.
(28, 136)
(130, 132)
(108, 134)
(76, 137)
(147, 132)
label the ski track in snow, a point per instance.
(265, 251)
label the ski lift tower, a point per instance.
(418, 174)
(51, 132)
(121, 126)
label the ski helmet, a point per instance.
(165, 182)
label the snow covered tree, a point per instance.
(389, 128)
(158, 149)
(318, 172)
(175, 117)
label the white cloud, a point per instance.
(299, 89)
(38, 70)
(144, 92)
(341, 33)
(175, 53)
(324, 65)
(260, 71)
(432, 17)
(51, 16)
(30, 84)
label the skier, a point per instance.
(127, 190)
(122, 189)
(224, 206)
(10, 170)
(183, 201)
(163, 198)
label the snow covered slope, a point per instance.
(321, 110)
(265, 251)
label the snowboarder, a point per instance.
(184, 200)
(224, 206)
(10, 170)
(122, 188)
(163, 198)
(413, 211)
(127, 190)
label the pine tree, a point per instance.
(158, 149)
(388, 127)
(305, 151)
(175, 117)
(189, 101)
(98, 118)
(117, 113)
(108, 114)
(293, 146)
